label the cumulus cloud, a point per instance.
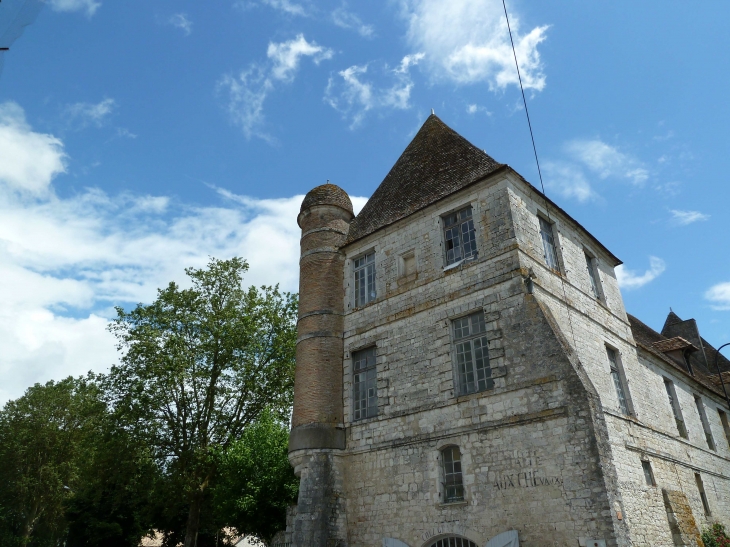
(246, 93)
(89, 6)
(84, 114)
(28, 160)
(683, 218)
(348, 20)
(719, 296)
(65, 262)
(181, 21)
(467, 41)
(476, 108)
(630, 279)
(353, 95)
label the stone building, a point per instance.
(466, 368)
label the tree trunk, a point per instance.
(191, 533)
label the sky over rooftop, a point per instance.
(138, 138)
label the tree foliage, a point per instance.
(255, 482)
(199, 365)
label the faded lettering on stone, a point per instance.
(525, 479)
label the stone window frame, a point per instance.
(619, 380)
(353, 269)
(703, 494)
(477, 236)
(441, 494)
(454, 354)
(545, 217)
(594, 275)
(725, 424)
(370, 411)
(675, 407)
(649, 477)
(709, 437)
(382, 384)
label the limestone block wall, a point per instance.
(530, 454)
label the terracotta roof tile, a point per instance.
(673, 344)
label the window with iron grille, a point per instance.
(648, 473)
(473, 372)
(593, 275)
(364, 279)
(705, 423)
(548, 244)
(453, 483)
(674, 403)
(364, 384)
(459, 236)
(453, 541)
(618, 383)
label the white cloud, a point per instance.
(572, 178)
(568, 180)
(348, 20)
(475, 109)
(467, 41)
(181, 21)
(719, 295)
(286, 6)
(247, 92)
(607, 161)
(687, 217)
(629, 279)
(65, 262)
(286, 55)
(28, 160)
(353, 96)
(90, 6)
(90, 113)
(124, 132)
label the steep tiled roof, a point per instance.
(437, 163)
(673, 344)
(646, 338)
(687, 329)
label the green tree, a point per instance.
(255, 482)
(41, 436)
(198, 366)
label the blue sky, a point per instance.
(140, 137)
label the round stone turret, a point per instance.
(317, 419)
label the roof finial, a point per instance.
(432, 112)
(328, 181)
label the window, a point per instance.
(453, 541)
(593, 275)
(364, 384)
(364, 279)
(703, 496)
(453, 484)
(623, 404)
(705, 423)
(548, 244)
(648, 473)
(674, 403)
(460, 237)
(472, 354)
(725, 425)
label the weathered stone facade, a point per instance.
(548, 449)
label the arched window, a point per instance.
(452, 479)
(453, 541)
